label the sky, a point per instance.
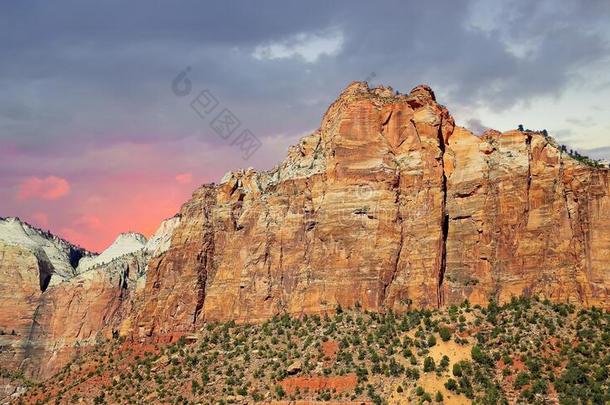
(113, 112)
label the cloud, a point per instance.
(73, 235)
(267, 59)
(308, 46)
(48, 188)
(88, 221)
(582, 122)
(184, 178)
(599, 153)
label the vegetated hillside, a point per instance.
(526, 351)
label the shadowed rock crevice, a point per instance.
(45, 270)
(395, 267)
(528, 144)
(443, 266)
(205, 261)
(75, 255)
(444, 222)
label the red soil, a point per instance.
(329, 348)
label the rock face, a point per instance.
(43, 324)
(32, 262)
(388, 205)
(525, 218)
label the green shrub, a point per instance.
(522, 379)
(429, 364)
(457, 370)
(279, 391)
(451, 385)
(445, 333)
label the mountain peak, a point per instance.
(423, 90)
(62, 255)
(130, 237)
(125, 243)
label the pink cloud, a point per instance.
(49, 188)
(88, 221)
(41, 219)
(184, 178)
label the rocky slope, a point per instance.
(124, 244)
(387, 205)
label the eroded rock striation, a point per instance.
(389, 205)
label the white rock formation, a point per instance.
(62, 256)
(126, 243)
(160, 241)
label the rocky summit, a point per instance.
(388, 205)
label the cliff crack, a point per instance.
(440, 296)
(205, 257)
(528, 143)
(387, 120)
(564, 192)
(399, 218)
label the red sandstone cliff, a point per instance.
(387, 205)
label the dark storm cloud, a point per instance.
(77, 74)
